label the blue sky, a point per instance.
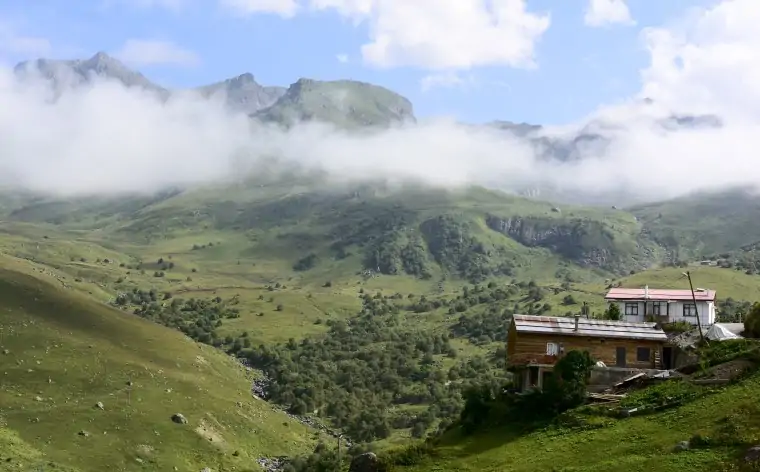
(576, 66)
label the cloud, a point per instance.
(284, 8)
(16, 43)
(445, 80)
(147, 52)
(445, 34)
(109, 139)
(342, 58)
(430, 34)
(607, 12)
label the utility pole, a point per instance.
(696, 310)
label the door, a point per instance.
(620, 357)
(667, 357)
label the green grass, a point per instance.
(64, 353)
(642, 444)
(703, 224)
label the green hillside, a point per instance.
(306, 230)
(64, 356)
(703, 224)
(728, 422)
(409, 289)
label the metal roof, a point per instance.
(661, 294)
(565, 326)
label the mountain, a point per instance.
(307, 228)
(345, 103)
(243, 93)
(64, 74)
(704, 223)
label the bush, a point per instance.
(488, 405)
(613, 312)
(752, 323)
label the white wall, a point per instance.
(706, 312)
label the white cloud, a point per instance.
(284, 8)
(342, 58)
(431, 34)
(445, 34)
(145, 52)
(14, 42)
(445, 80)
(708, 62)
(607, 12)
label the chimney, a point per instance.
(646, 292)
(577, 318)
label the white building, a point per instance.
(665, 305)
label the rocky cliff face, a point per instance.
(243, 93)
(585, 242)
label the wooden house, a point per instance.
(536, 343)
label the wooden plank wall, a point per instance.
(524, 348)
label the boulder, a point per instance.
(179, 418)
(366, 462)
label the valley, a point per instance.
(371, 313)
(284, 316)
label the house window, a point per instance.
(658, 308)
(632, 309)
(643, 354)
(552, 349)
(689, 309)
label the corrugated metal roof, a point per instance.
(658, 294)
(565, 326)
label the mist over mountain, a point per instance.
(349, 129)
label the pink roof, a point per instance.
(658, 294)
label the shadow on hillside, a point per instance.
(464, 445)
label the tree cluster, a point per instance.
(197, 318)
(364, 370)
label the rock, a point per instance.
(681, 446)
(99, 405)
(6, 352)
(366, 462)
(205, 469)
(179, 418)
(752, 454)
(84, 433)
(38, 398)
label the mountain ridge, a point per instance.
(362, 103)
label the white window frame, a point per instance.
(552, 349)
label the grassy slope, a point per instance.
(637, 444)
(66, 353)
(703, 224)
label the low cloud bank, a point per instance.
(107, 139)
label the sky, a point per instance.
(540, 61)
(574, 65)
